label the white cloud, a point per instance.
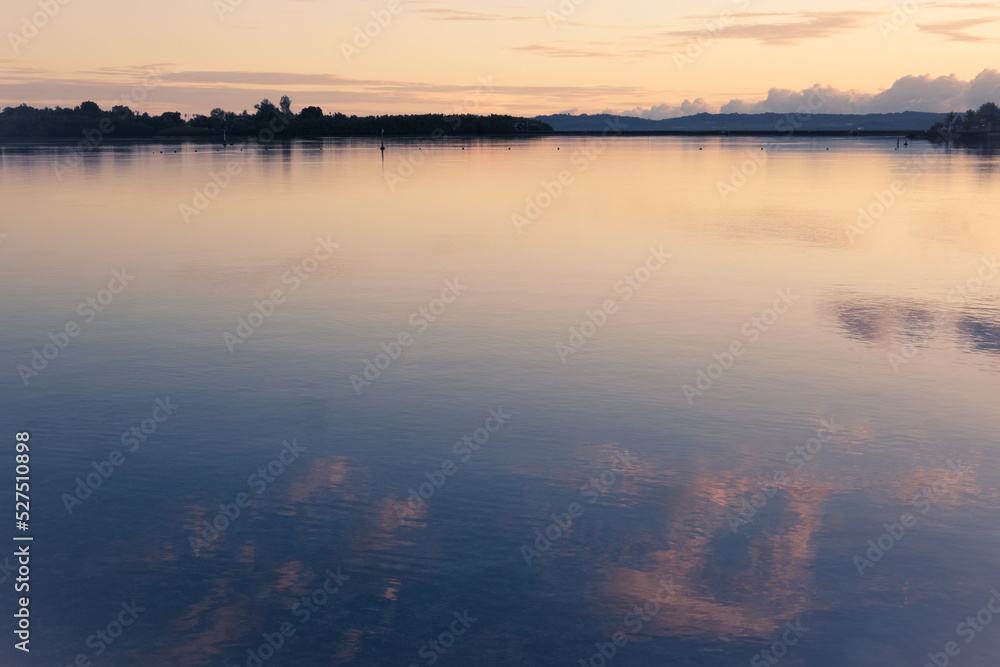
(910, 93)
(661, 111)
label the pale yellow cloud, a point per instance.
(960, 30)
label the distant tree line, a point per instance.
(973, 125)
(25, 122)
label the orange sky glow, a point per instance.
(528, 58)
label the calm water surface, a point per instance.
(741, 490)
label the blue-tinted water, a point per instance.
(729, 381)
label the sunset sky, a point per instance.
(540, 56)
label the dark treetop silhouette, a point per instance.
(973, 126)
(25, 122)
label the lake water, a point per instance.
(731, 388)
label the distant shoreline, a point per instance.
(214, 141)
(250, 140)
(909, 134)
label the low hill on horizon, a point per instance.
(907, 121)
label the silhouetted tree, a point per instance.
(286, 105)
(24, 121)
(264, 108)
(971, 126)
